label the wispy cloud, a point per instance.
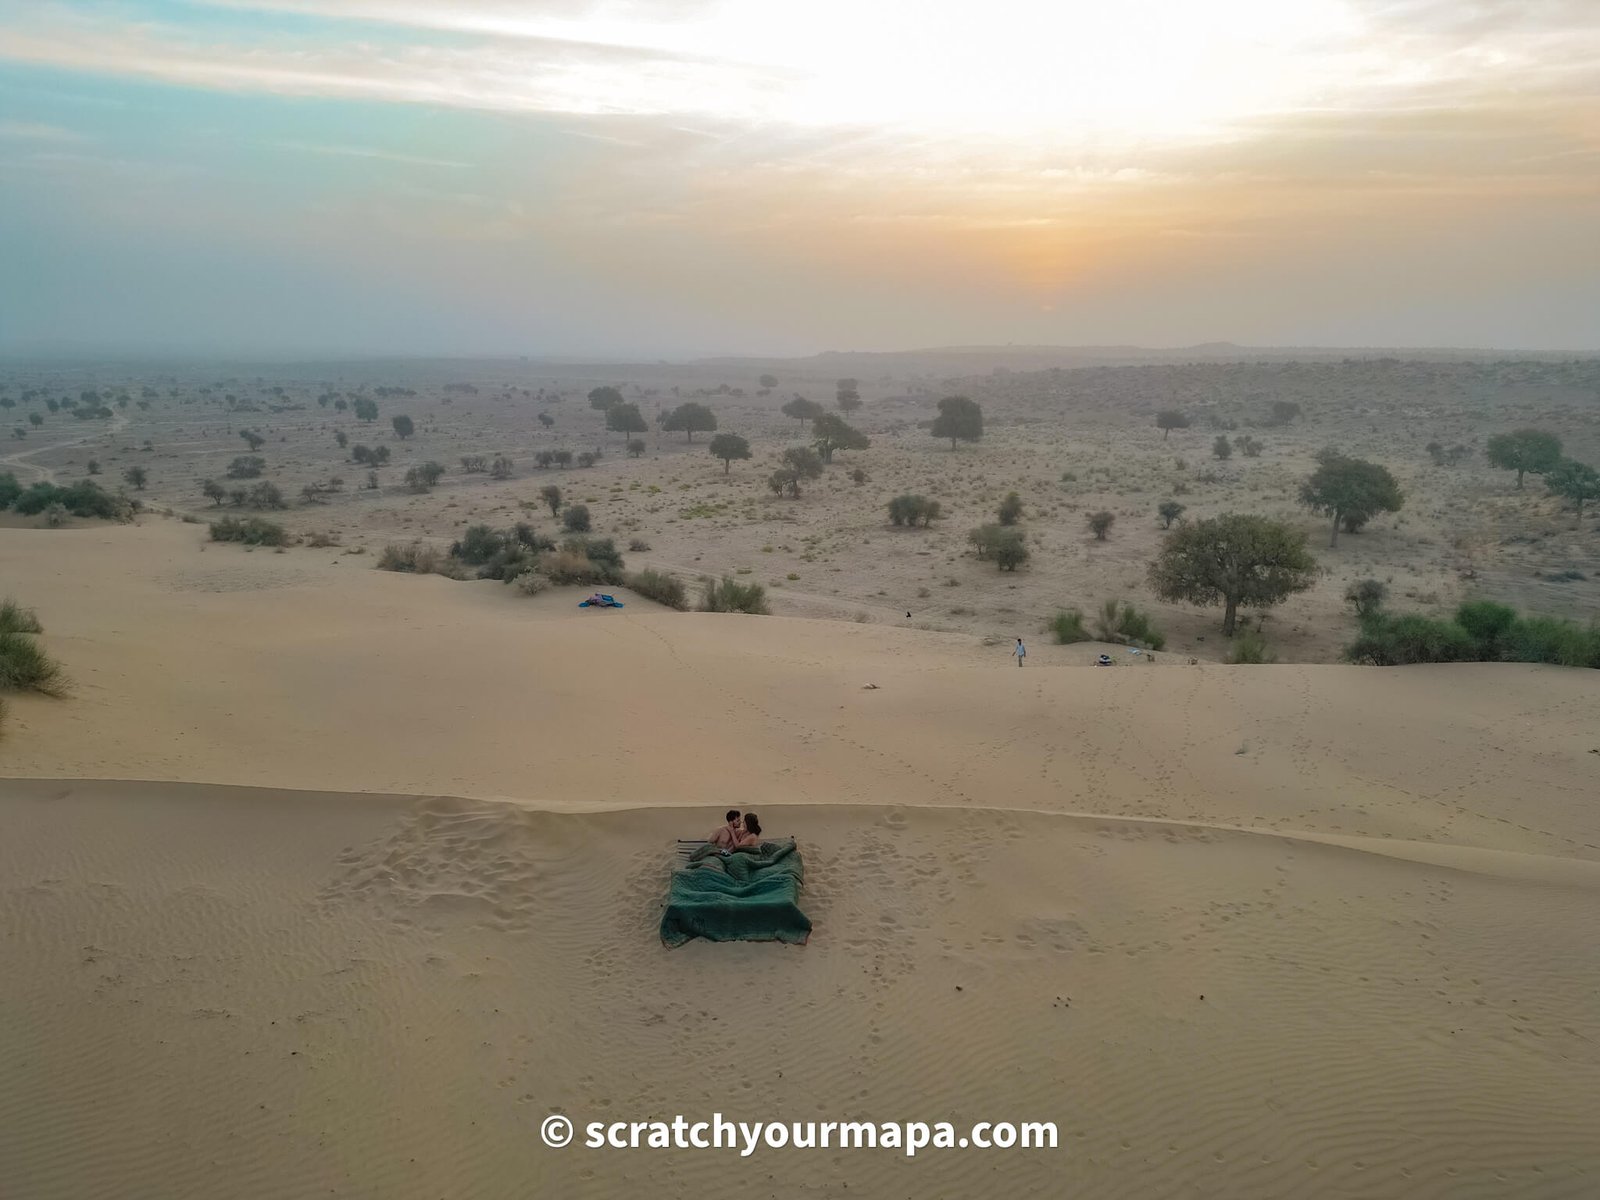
(37, 131)
(414, 160)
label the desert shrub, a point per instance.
(246, 466)
(576, 519)
(415, 558)
(267, 495)
(474, 464)
(1399, 640)
(1250, 647)
(1488, 623)
(16, 619)
(728, 595)
(530, 583)
(1010, 510)
(913, 510)
(637, 545)
(1100, 523)
(1366, 596)
(478, 545)
(858, 476)
(422, 478)
(321, 541)
(252, 531)
(1006, 546)
(1169, 511)
(10, 490)
(24, 667)
(1067, 626)
(82, 499)
(660, 587)
(1119, 622)
(55, 516)
(501, 468)
(1552, 640)
(586, 459)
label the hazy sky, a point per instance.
(785, 176)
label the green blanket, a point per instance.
(748, 895)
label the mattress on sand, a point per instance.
(744, 896)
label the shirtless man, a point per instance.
(727, 836)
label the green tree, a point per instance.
(832, 433)
(403, 426)
(849, 397)
(1574, 481)
(137, 476)
(1233, 560)
(799, 464)
(727, 447)
(626, 418)
(802, 410)
(959, 419)
(366, 410)
(692, 418)
(576, 519)
(1525, 451)
(1100, 523)
(253, 439)
(1010, 510)
(603, 399)
(1169, 419)
(1284, 411)
(342, 438)
(35, 419)
(214, 492)
(1169, 511)
(636, 447)
(768, 381)
(1222, 448)
(1350, 490)
(551, 495)
(422, 478)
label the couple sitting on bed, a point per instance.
(738, 834)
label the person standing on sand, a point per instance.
(1020, 653)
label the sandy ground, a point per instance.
(325, 881)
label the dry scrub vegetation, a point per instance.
(1099, 459)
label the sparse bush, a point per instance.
(422, 478)
(1067, 626)
(252, 531)
(1100, 523)
(1222, 448)
(267, 495)
(576, 519)
(1249, 647)
(858, 476)
(16, 619)
(24, 667)
(636, 447)
(913, 510)
(1169, 511)
(1010, 510)
(660, 587)
(474, 464)
(501, 467)
(637, 545)
(10, 490)
(729, 595)
(1366, 597)
(246, 466)
(417, 558)
(1119, 622)
(586, 459)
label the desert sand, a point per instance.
(327, 881)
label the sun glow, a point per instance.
(1075, 71)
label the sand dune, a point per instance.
(331, 882)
